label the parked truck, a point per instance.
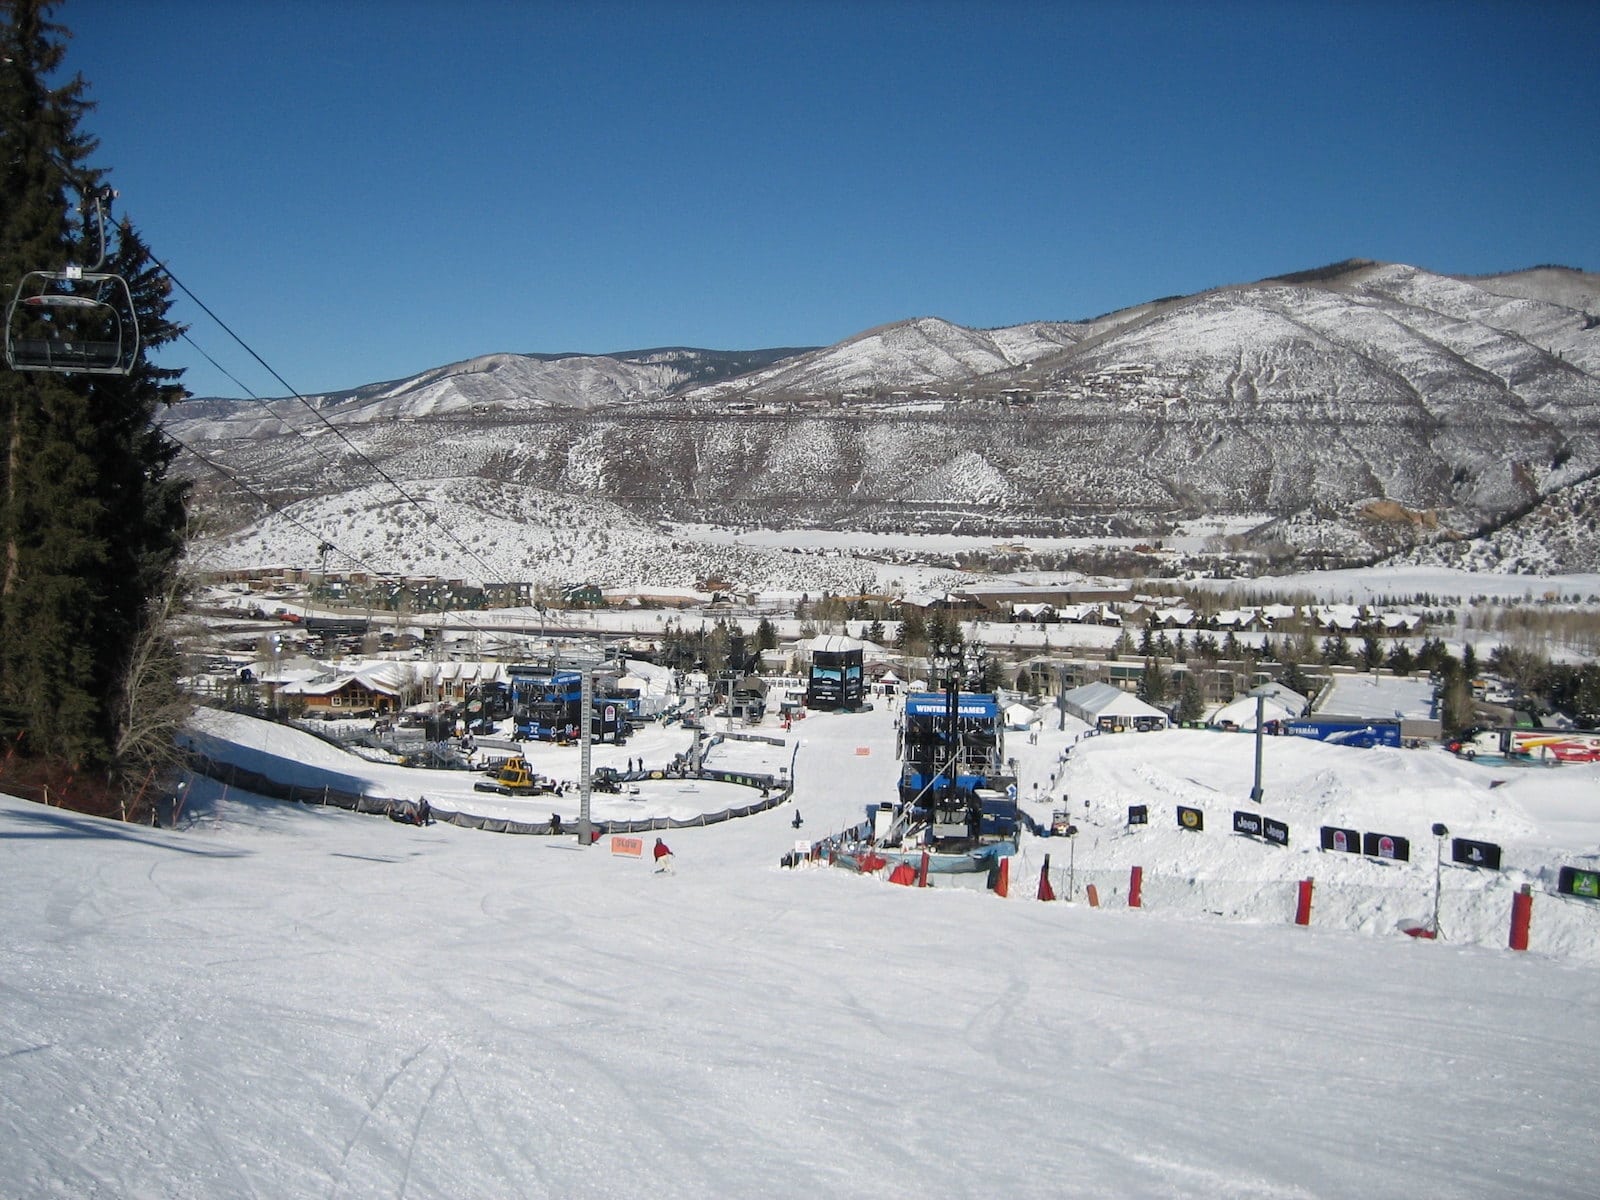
(1529, 745)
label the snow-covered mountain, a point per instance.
(1365, 406)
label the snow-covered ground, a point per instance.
(284, 1001)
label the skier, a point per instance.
(663, 858)
(797, 822)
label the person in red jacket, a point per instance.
(663, 857)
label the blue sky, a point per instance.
(364, 190)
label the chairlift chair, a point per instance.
(72, 322)
(77, 320)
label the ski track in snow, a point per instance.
(281, 1001)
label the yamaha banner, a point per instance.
(1191, 818)
(1138, 814)
(1345, 841)
(1383, 845)
(1475, 854)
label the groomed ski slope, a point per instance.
(284, 1001)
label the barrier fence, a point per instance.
(263, 785)
(1491, 910)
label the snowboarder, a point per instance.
(555, 824)
(663, 858)
(797, 822)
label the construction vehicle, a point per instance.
(513, 778)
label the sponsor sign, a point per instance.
(936, 704)
(863, 751)
(1383, 845)
(1138, 814)
(1253, 824)
(1573, 882)
(627, 847)
(1475, 854)
(1191, 818)
(1361, 734)
(1344, 841)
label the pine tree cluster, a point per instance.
(91, 524)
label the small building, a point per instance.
(1408, 699)
(346, 695)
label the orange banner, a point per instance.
(628, 847)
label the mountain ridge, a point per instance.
(1308, 397)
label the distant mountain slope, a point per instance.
(496, 531)
(1560, 536)
(1319, 398)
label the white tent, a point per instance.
(1019, 716)
(1283, 704)
(1095, 703)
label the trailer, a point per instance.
(1529, 745)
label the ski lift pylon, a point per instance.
(76, 320)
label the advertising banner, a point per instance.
(1573, 882)
(1383, 845)
(1475, 854)
(1344, 841)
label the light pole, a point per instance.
(948, 661)
(1072, 857)
(1261, 693)
(585, 778)
(1439, 833)
(277, 674)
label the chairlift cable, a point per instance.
(200, 350)
(429, 518)
(277, 510)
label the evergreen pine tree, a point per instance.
(1153, 683)
(913, 631)
(766, 635)
(1371, 651)
(1191, 704)
(1294, 678)
(90, 524)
